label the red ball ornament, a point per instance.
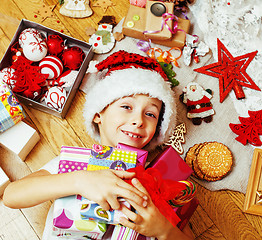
(31, 94)
(73, 57)
(55, 44)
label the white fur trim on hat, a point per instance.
(127, 82)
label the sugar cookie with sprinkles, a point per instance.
(214, 160)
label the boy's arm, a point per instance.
(102, 187)
(146, 220)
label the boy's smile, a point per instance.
(129, 120)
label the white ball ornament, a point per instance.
(35, 51)
(52, 66)
(55, 98)
(28, 35)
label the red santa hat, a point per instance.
(128, 74)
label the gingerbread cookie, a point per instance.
(214, 160)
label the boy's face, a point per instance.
(129, 120)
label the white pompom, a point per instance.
(92, 66)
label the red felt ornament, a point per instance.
(249, 129)
(28, 79)
(55, 44)
(231, 72)
(73, 57)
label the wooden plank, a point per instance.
(13, 225)
(255, 220)
(200, 221)
(36, 216)
(225, 214)
(55, 130)
(76, 120)
(211, 233)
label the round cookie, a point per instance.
(190, 155)
(214, 160)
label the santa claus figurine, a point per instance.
(198, 103)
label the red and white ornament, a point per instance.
(7, 75)
(55, 98)
(36, 50)
(73, 57)
(55, 44)
(52, 66)
(68, 78)
(28, 35)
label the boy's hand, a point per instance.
(147, 218)
(105, 186)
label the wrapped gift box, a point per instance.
(137, 19)
(19, 139)
(92, 211)
(105, 157)
(171, 165)
(71, 213)
(141, 154)
(6, 62)
(67, 218)
(11, 112)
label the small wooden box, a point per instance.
(251, 204)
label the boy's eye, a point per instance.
(126, 107)
(151, 115)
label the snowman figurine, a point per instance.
(103, 40)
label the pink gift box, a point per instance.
(141, 154)
(171, 165)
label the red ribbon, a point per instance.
(160, 190)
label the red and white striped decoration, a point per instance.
(52, 66)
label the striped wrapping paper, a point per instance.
(73, 159)
(123, 233)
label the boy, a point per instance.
(133, 105)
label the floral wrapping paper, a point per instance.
(11, 112)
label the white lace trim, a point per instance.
(238, 25)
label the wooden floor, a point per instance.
(219, 215)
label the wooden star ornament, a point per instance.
(45, 11)
(104, 4)
(231, 72)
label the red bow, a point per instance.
(160, 190)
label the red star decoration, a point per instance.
(231, 72)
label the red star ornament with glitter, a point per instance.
(231, 72)
(249, 129)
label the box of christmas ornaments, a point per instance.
(44, 68)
